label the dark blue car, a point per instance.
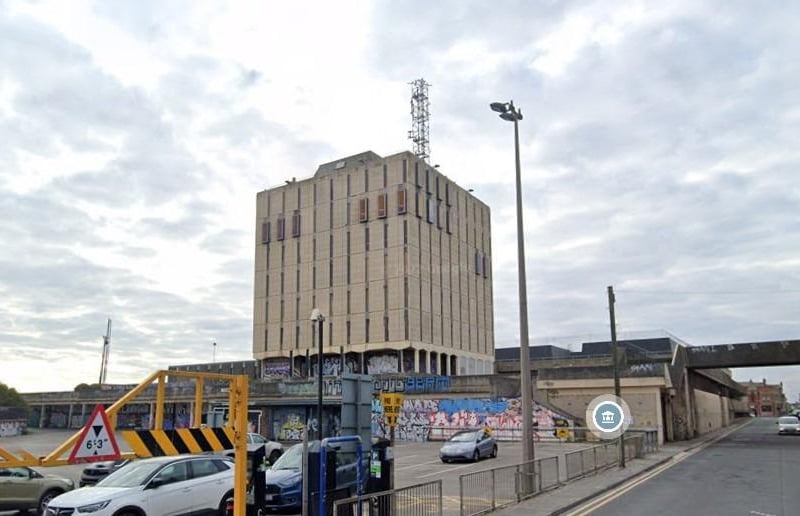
(284, 480)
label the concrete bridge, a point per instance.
(747, 354)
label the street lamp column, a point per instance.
(318, 317)
(510, 113)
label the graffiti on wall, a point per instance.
(332, 365)
(330, 387)
(276, 367)
(413, 384)
(430, 419)
(288, 423)
(381, 364)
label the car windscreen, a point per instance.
(466, 437)
(789, 420)
(292, 459)
(132, 475)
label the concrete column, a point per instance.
(416, 360)
(401, 366)
(69, 417)
(41, 417)
(192, 422)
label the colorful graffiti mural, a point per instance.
(381, 364)
(276, 367)
(431, 420)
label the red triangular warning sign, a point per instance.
(97, 441)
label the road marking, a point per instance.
(609, 497)
(444, 471)
(408, 466)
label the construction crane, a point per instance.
(106, 350)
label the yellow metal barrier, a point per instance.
(149, 443)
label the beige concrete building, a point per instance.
(395, 255)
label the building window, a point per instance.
(416, 174)
(282, 311)
(401, 200)
(330, 333)
(431, 210)
(386, 328)
(314, 277)
(281, 337)
(405, 324)
(405, 292)
(405, 171)
(330, 188)
(347, 240)
(405, 232)
(447, 221)
(267, 284)
(297, 280)
(348, 302)
(385, 297)
(281, 290)
(283, 255)
(427, 180)
(366, 330)
(477, 263)
(447, 194)
(314, 189)
(366, 179)
(281, 227)
(296, 337)
(438, 191)
(366, 238)
(265, 227)
(385, 176)
(348, 268)
(363, 213)
(385, 235)
(347, 215)
(366, 299)
(347, 330)
(330, 304)
(330, 273)
(417, 204)
(382, 205)
(485, 266)
(348, 185)
(330, 216)
(330, 246)
(438, 219)
(314, 249)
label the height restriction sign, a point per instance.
(97, 441)
(391, 407)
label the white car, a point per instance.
(159, 486)
(272, 450)
(788, 425)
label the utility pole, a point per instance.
(615, 360)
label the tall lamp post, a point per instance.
(318, 317)
(510, 113)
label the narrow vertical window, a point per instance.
(330, 303)
(296, 336)
(363, 205)
(405, 171)
(385, 176)
(282, 277)
(401, 200)
(348, 185)
(447, 194)
(314, 188)
(405, 324)
(382, 205)
(347, 330)
(447, 220)
(330, 333)
(366, 299)
(485, 266)
(281, 227)
(366, 330)
(265, 227)
(347, 215)
(405, 232)
(427, 180)
(296, 223)
(385, 297)
(477, 263)
(366, 238)
(436, 213)
(297, 280)
(366, 179)
(386, 328)
(330, 188)
(314, 277)
(297, 252)
(330, 246)
(348, 302)
(330, 273)
(314, 249)
(385, 236)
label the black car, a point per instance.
(93, 473)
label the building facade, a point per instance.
(395, 255)
(766, 399)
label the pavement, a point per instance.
(743, 469)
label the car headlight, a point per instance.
(94, 507)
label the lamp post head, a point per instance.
(500, 107)
(317, 315)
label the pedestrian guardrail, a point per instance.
(418, 500)
(484, 491)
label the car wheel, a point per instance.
(274, 456)
(476, 456)
(446, 461)
(46, 498)
(222, 510)
(494, 452)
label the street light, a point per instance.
(510, 113)
(318, 317)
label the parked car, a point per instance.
(468, 445)
(97, 471)
(159, 486)
(24, 489)
(788, 425)
(272, 449)
(284, 480)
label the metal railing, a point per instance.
(584, 462)
(487, 490)
(418, 500)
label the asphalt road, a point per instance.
(753, 472)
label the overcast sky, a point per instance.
(659, 151)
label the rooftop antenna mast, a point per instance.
(420, 119)
(106, 350)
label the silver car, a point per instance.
(788, 425)
(468, 445)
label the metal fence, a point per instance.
(487, 490)
(417, 500)
(583, 462)
(557, 434)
